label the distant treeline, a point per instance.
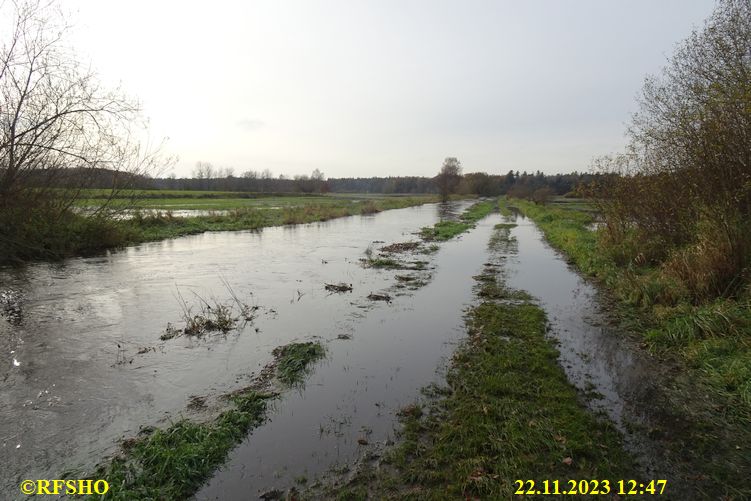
(519, 184)
(514, 183)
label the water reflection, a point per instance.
(66, 396)
(598, 359)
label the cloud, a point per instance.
(250, 124)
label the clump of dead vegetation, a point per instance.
(400, 247)
(386, 258)
(212, 316)
(340, 287)
(379, 297)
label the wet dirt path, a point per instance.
(621, 381)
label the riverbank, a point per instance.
(507, 414)
(702, 351)
(72, 234)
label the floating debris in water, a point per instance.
(272, 494)
(16, 363)
(401, 247)
(405, 278)
(379, 297)
(340, 287)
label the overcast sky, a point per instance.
(362, 88)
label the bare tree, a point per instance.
(318, 180)
(60, 130)
(449, 177)
(266, 179)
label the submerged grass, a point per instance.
(446, 230)
(508, 413)
(173, 463)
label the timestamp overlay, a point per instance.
(590, 487)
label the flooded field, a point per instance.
(85, 367)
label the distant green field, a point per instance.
(222, 200)
(580, 204)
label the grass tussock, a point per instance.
(444, 230)
(295, 359)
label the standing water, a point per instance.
(353, 399)
(602, 362)
(84, 365)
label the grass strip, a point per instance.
(173, 463)
(446, 230)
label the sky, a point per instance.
(383, 87)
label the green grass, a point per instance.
(196, 203)
(173, 463)
(294, 360)
(226, 200)
(659, 309)
(446, 230)
(709, 344)
(100, 194)
(155, 227)
(508, 413)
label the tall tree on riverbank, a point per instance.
(449, 177)
(59, 129)
(681, 193)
